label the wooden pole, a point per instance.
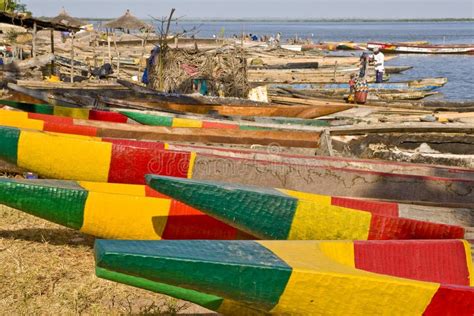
(118, 57)
(144, 42)
(95, 49)
(52, 52)
(110, 51)
(72, 58)
(33, 53)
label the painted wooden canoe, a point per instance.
(272, 154)
(90, 159)
(115, 211)
(294, 215)
(298, 111)
(395, 48)
(298, 278)
(422, 85)
(73, 112)
(124, 116)
(155, 102)
(51, 123)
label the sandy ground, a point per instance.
(46, 269)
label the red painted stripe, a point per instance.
(97, 115)
(51, 118)
(70, 129)
(185, 222)
(452, 301)
(207, 124)
(131, 164)
(386, 227)
(375, 207)
(135, 143)
(424, 260)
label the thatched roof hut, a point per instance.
(65, 19)
(127, 22)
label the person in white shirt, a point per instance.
(379, 60)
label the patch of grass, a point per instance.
(46, 269)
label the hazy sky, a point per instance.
(260, 8)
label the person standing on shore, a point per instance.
(379, 61)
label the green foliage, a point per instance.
(12, 6)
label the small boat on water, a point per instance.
(72, 157)
(426, 84)
(289, 277)
(294, 215)
(115, 211)
(397, 48)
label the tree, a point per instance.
(12, 6)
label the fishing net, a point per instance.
(224, 71)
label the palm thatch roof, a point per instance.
(65, 19)
(127, 22)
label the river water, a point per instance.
(459, 69)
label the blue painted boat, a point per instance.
(415, 85)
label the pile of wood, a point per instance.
(225, 71)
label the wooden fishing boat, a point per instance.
(282, 277)
(294, 215)
(116, 211)
(51, 123)
(303, 76)
(160, 118)
(395, 48)
(297, 111)
(116, 161)
(160, 103)
(426, 84)
(72, 112)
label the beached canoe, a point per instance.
(156, 101)
(117, 161)
(297, 111)
(294, 215)
(298, 278)
(51, 123)
(396, 48)
(115, 211)
(73, 112)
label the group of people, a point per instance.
(265, 38)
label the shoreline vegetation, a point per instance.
(302, 20)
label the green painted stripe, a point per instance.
(29, 107)
(148, 119)
(242, 271)
(290, 121)
(254, 128)
(211, 302)
(236, 205)
(63, 204)
(9, 138)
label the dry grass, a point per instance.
(46, 269)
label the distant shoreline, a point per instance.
(302, 20)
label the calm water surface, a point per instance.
(459, 69)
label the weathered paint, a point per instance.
(39, 151)
(284, 214)
(113, 210)
(169, 121)
(296, 174)
(76, 157)
(29, 107)
(69, 112)
(290, 277)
